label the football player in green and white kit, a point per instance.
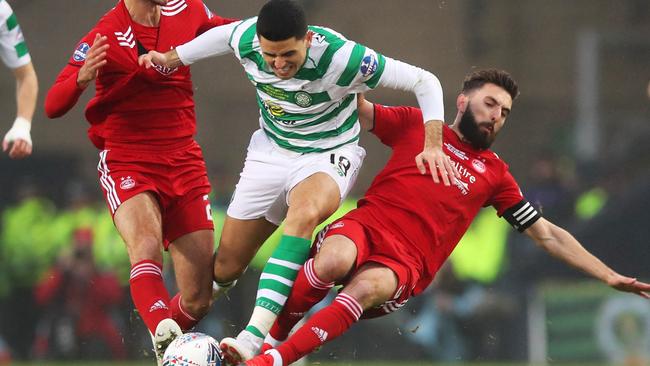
(14, 54)
(303, 160)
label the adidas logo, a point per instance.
(158, 305)
(321, 334)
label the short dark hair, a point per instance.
(477, 79)
(280, 20)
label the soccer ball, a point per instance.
(193, 349)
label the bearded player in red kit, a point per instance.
(151, 170)
(392, 245)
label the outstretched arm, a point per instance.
(427, 89)
(214, 42)
(564, 246)
(18, 140)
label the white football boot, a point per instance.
(166, 331)
(241, 349)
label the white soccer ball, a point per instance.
(193, 349)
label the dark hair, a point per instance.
(500, 78)
(280, 20)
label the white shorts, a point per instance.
(270, 173)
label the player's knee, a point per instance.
(146, 247)
(331, 268)
(367, 292)
(305, 215)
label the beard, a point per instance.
(472, 132)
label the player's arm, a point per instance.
(18, 140)
(561, 244)
(214, 42)
(366, 112)
(428, 91)
(74, 79)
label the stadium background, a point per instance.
(576, 141)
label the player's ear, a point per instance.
(461, 102)
(308, 38)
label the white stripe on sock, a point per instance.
(284, 263)
(268, 276)
(272, 295)
(277, 358)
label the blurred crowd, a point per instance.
(62, 262)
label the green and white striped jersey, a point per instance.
(316, 110)
(13, 50)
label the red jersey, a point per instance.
(428, 219)
(133, 104)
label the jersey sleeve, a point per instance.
(211, 20)
(65, 92)
(213, 42)
(391, 124)
(361, 67)
(13, 49)
(512, 206)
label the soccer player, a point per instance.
(392, 245)
(151, 170)
(303, 160)
(14, 54)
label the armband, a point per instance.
(522, 215)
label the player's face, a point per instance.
(485, 114)
(285, 57)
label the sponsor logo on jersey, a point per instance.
(81, 51)
(369, 65)
(462, 186)
(125, 39)
(303, 99)
(478, 166)
(127, 183)
(273, 108)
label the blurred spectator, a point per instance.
(461, 320)
(78, 301)
(549, 187)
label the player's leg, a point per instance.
(240, 241)
(138, 220)
(317, 185)
(192, 257)
(372, 285)
(333, 262)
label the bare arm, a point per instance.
(366, 112)
(562, 245)
(18, 140)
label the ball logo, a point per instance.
(80, 53)
(127, 183)
(478, 166)
(369, 65)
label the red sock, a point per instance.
(322, 327)
(149, 294)
(180, 315)
(308, 290)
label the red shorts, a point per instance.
(378, 247)
(177, 178)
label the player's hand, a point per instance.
(439, 165)
(95, 60)
(18, 140)
(153, 58)
(627, 284)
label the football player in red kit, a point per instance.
(392, 245)
(150, 168)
